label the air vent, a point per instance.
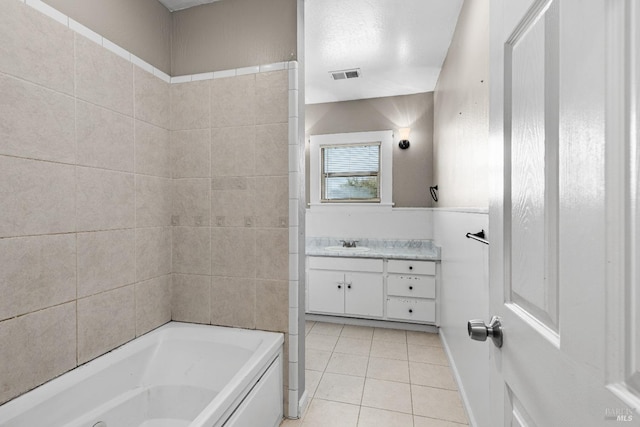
(345, 74)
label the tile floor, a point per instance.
(370, 377)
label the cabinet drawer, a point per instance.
(417, 310)
(411, 267)
(345, 264)
(411, 286)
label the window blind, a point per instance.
(351, 172)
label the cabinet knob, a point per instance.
(411, 267)
(339, 286)
(349, 286)
(410, 288)
(410, 310)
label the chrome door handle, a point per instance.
(479, 331)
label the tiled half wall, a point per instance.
(129, 200)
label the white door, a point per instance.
(326, 291)
(564, 212)
(364, 294)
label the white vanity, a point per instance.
(392, 280)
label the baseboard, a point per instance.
(456, 375)
(304, 402)
(371, 322)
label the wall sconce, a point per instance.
(404, 137)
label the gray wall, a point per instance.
(461, 118)
(143, 27)
(412, 168)
(219, 36)
(233, 34)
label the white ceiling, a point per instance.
(398, 45)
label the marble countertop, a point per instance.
(378, 248)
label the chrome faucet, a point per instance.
(349, 243)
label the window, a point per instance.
(351, 173)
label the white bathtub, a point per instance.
(180, 375)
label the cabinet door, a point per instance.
(364, 294)
(326, 291)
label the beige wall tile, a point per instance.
(232, 202)
(191, 203)
(191, 250)
(37, 197)
(233, 151)
(153, 303)
(102, 77)
(233, 302)
(153, 150)
(105, 321)
(272, 254)
(272, 305)
(106, 199)
(153, 201)
(233, 252)
(272, 149)
(191, 153)
(37, 272)
(272, 97)
(36, 123)
(105, 138)
(272, 201)
(190, 105)
(233, 101)
(36, 348)
(106, 260)
(191, 298)
(153, 252)
(34, 47)
(152, 98)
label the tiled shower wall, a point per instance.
(229, 144)
(230, 201)
(101, 202)
(85, 193)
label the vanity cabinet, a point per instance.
(346, 287)
(411, 291)
(397, 290)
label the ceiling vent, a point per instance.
(345, 74)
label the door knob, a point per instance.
(479, 331)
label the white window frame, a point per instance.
(385, 138)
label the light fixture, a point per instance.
(404, 137)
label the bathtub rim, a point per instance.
(262, 357)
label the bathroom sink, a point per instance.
(344, 249)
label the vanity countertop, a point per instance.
(377, 248)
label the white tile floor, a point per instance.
(370, 377)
